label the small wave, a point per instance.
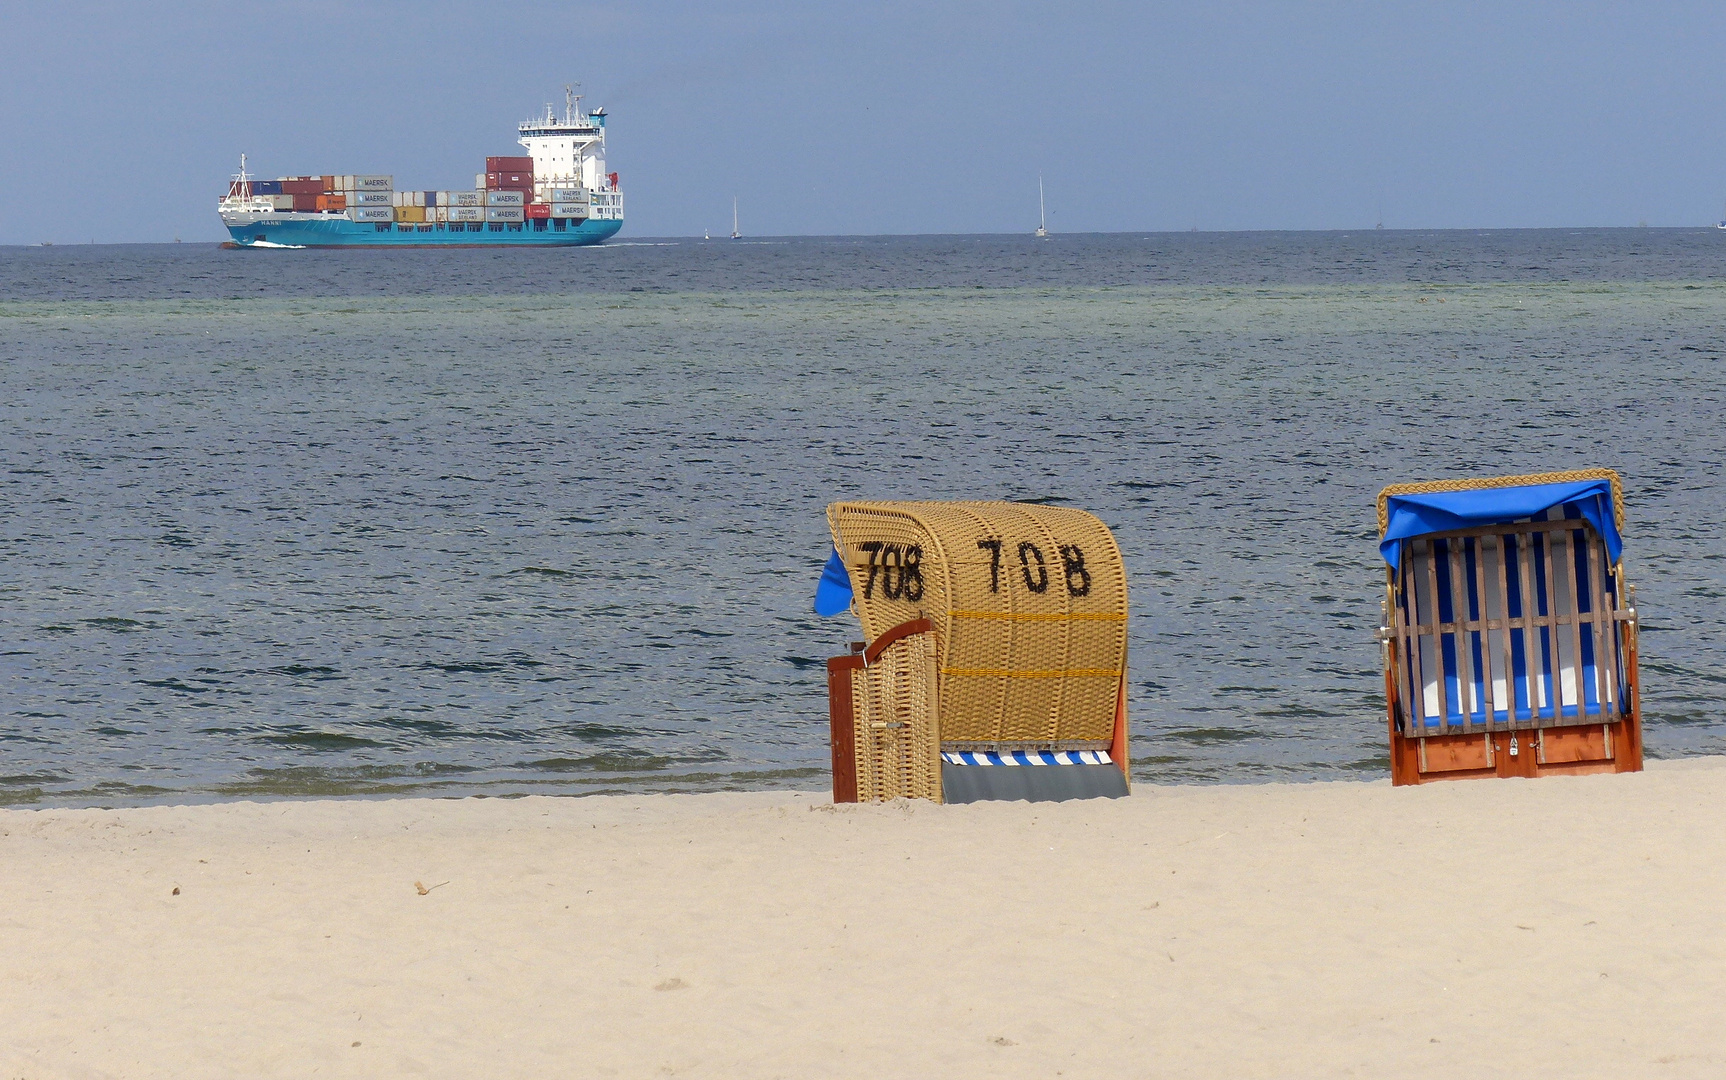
(1204, 736)
(480, 667)
(305, 780)
(178, 686)
(317, 671)
(114, 623)
(35, 778)
(431, 728)
(610, 762)
(320, 741)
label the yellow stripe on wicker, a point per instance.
(1008, 673)
(1031, 616)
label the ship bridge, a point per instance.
(570, 150)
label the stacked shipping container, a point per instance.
(503, 193)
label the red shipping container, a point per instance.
(509, 181)
(509, 164)
(538, 210)
(305, 204)
(303, 186)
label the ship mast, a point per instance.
(240, 190)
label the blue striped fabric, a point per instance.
(1027, 757)
(1545, 676)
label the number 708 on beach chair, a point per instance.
(1510, 633)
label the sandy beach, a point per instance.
(1560, 927)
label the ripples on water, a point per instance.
(365, 522)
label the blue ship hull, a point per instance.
(337, 231)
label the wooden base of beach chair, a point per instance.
(1560, 751)
(1529, 752)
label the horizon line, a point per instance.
(722, 240)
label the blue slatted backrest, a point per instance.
(1536, 601)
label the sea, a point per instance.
(362, 523)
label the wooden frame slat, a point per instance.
(1504, 634)
(1531, 637)
(1572, 560)
(1464, 649)
(1488, 689)
(1400, 636)
(1437, 636)
(1609, 634)
(1597, 608)
(1557, 665)
(1411, 603)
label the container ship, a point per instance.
(558, 195)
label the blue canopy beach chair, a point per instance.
(1509, 634)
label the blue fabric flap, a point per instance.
(1410, 516)
(833, 594)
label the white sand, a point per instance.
(1558, 927)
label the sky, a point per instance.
(120, 122)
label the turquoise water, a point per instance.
(335, 523)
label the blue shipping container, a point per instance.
(266, 187)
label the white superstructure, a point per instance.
(571, 153)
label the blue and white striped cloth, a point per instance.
(1027, 757)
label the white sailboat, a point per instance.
(734, 233)
(1042, 219)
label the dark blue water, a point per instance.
(301, 522)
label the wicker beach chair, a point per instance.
(1510, 633)
(995, 665)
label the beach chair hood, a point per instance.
(994, 659)
(1405, 514)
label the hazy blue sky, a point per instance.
(122, 121)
